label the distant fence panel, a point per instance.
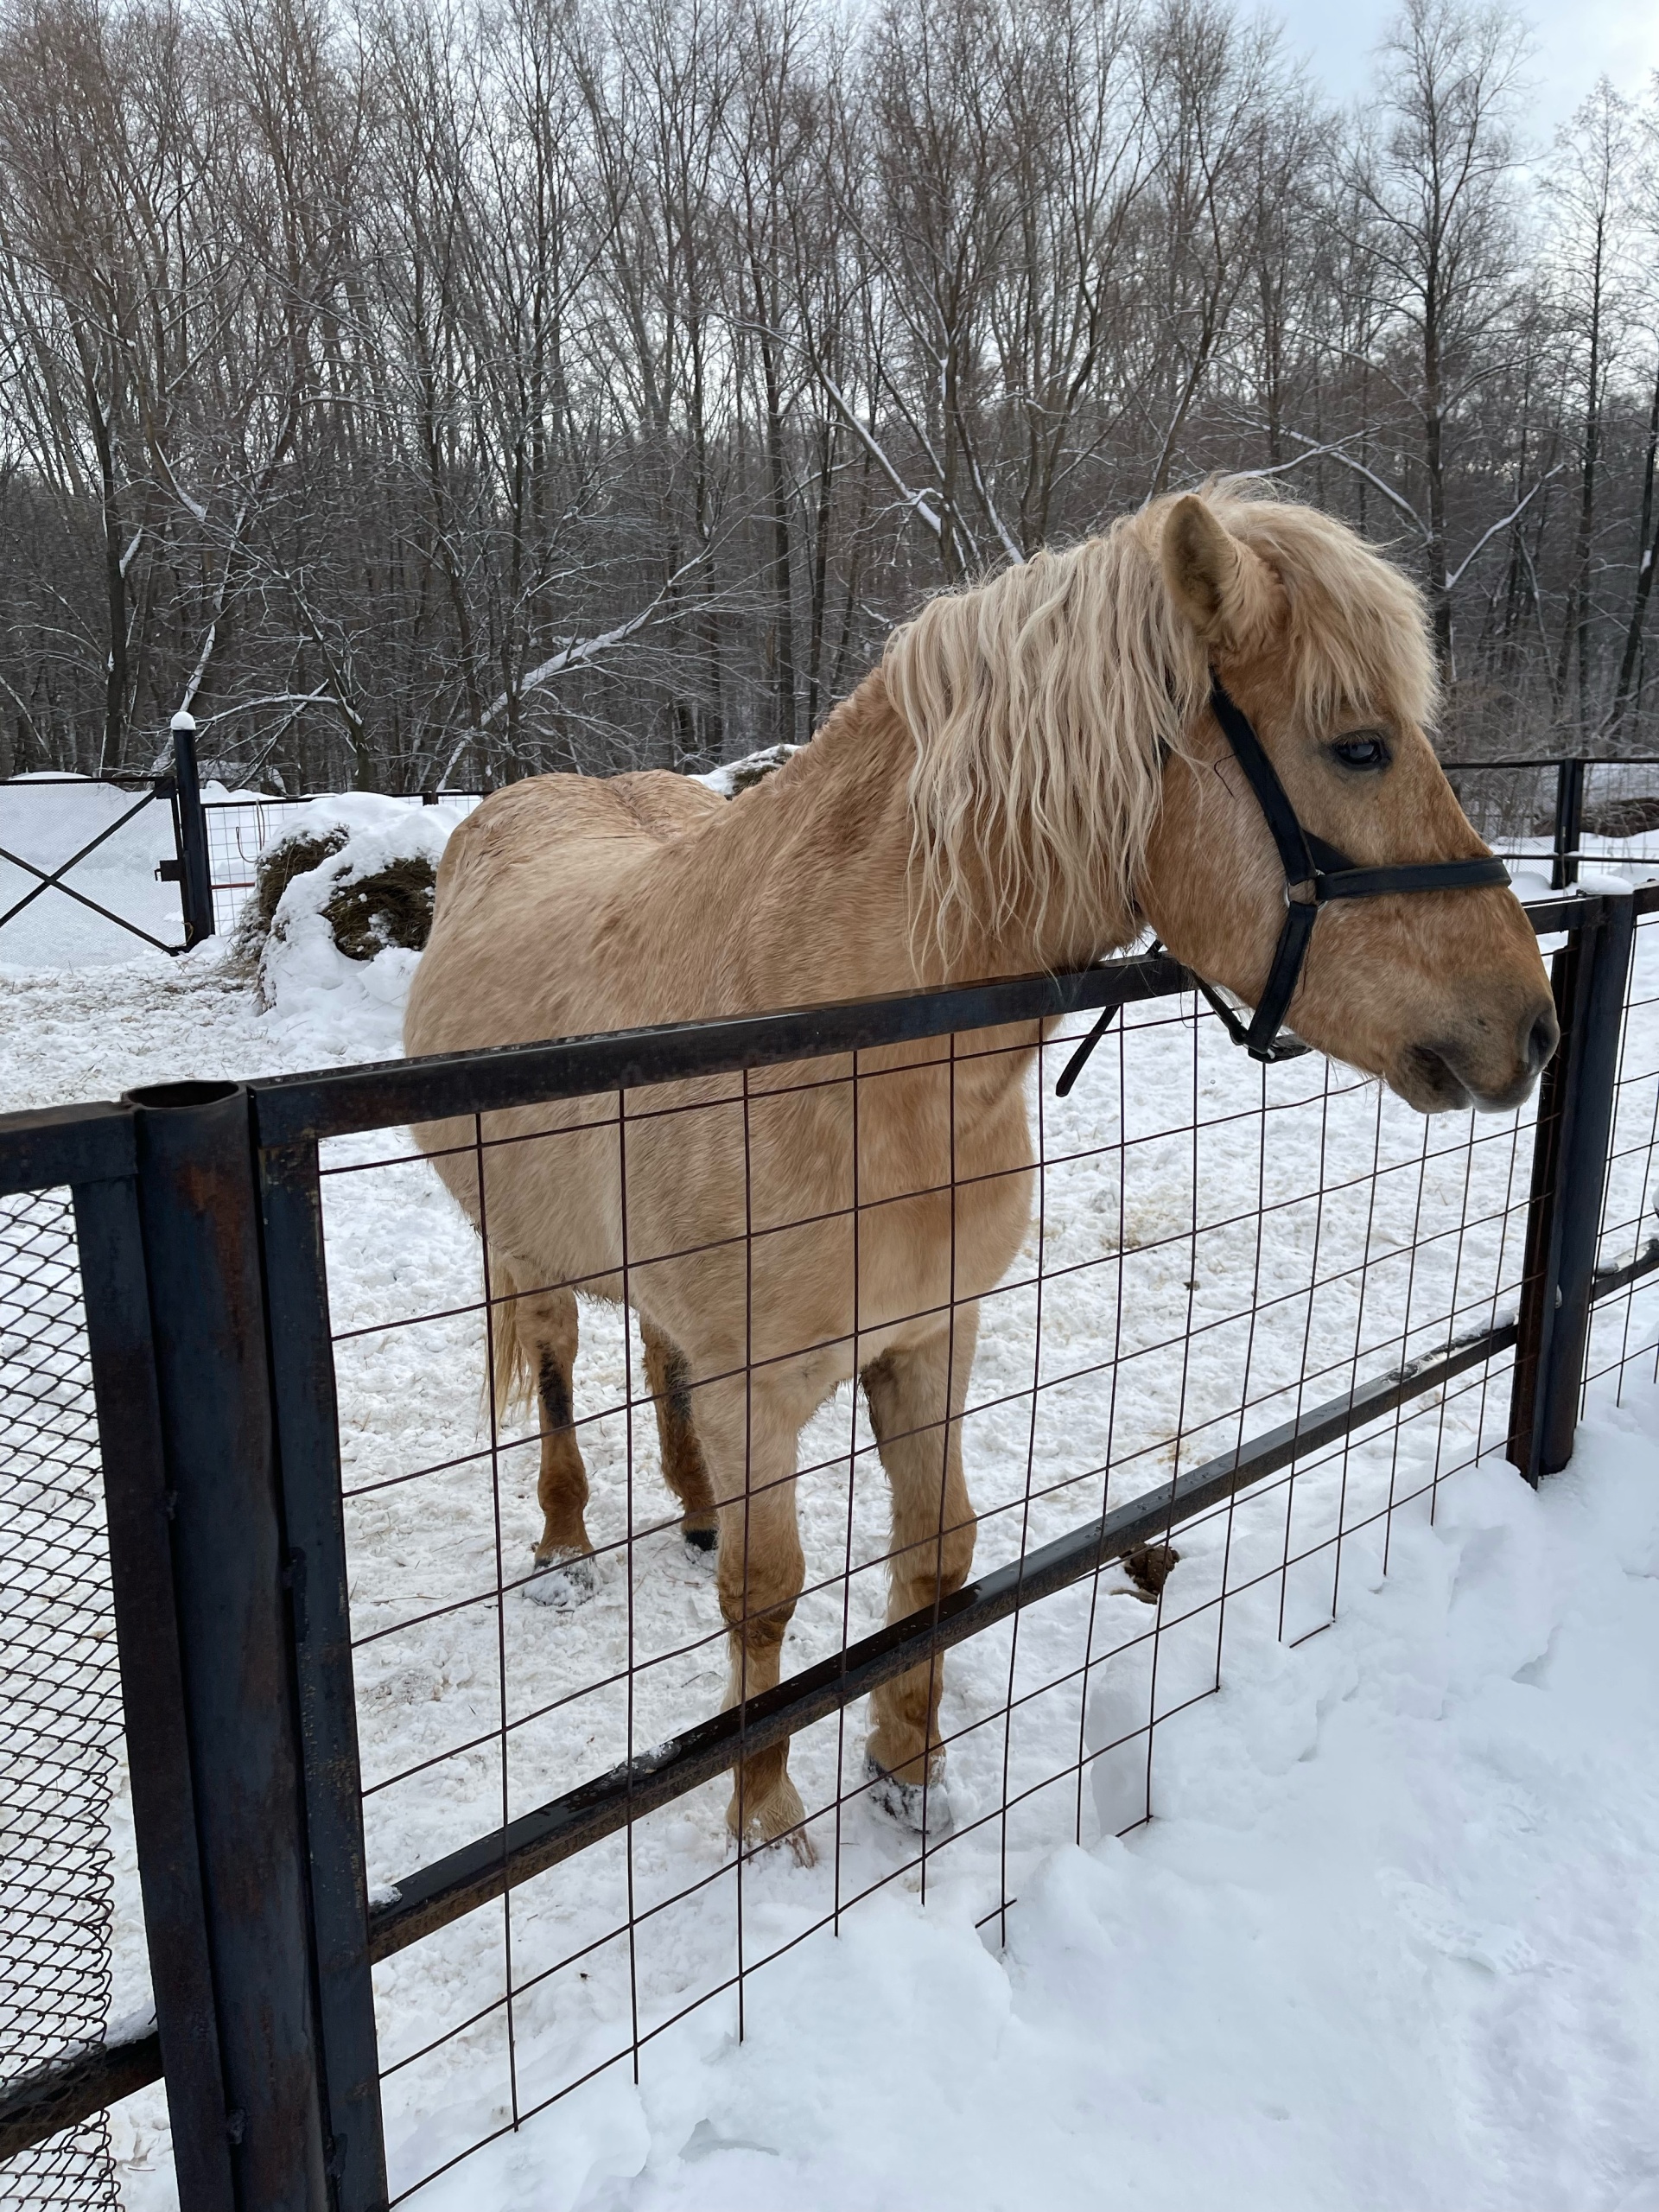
(1559, 814)
(1260, 1318)
(86, 864)
(238, 829)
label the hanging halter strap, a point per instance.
(1315, 873)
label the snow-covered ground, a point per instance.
(1385, 1942)
(1390, 1942)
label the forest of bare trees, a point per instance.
(463, 388)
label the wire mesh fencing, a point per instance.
(778, 1481)
(1220, 1266)
(1624, 1346)
(60, 1683)
(238, 829)
(1515, 805)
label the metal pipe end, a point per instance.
(166, 1095)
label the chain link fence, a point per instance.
(59, 1682)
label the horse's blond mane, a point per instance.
(1042, 704)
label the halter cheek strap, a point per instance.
(1315, 873)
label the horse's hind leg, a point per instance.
(684, 1470)
(908, 1391)
(541, 1329)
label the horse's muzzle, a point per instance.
(1449, 1075)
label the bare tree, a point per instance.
(1435, 180)
(444, 389)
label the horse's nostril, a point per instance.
(1542, 1040)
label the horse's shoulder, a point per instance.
(665, 805)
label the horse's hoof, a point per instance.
(564, 1579)
(781, 1820)
(701, 1546)
(906, 1804)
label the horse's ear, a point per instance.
(1224, 589)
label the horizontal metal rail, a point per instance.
(68, 2089)
(292, 1110)
(1557, 760)
(1606, 1281)
(53, 1145)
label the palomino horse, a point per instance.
(1031, 776)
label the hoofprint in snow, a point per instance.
(1378, 1852)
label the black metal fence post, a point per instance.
(195, 879)
(1570, 1158)
(200, 1216)
(308, 1437)
(1569, 822)
(121, 1346)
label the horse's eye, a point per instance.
(1367, 748)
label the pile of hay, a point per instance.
(342, 901)
(367, 908)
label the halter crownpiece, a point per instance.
(1315, 873)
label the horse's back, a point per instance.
(521, 829)
(524, 886)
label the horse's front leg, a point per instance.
(916, 1395)
(750, 1449)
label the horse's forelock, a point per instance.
(1358, 631)
(1041, 704)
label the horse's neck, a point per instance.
(815, 869)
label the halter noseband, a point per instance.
(1315, 872)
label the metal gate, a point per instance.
(200, 1212)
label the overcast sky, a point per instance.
(1577, 40)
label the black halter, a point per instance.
(1314, 872)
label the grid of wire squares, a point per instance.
(1214, 1249)
(238, 829)
(1623, 1348)
(60, 1691)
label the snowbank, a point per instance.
(734, 776)
(312, 989)
(310, 986)
(1391, 1941)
